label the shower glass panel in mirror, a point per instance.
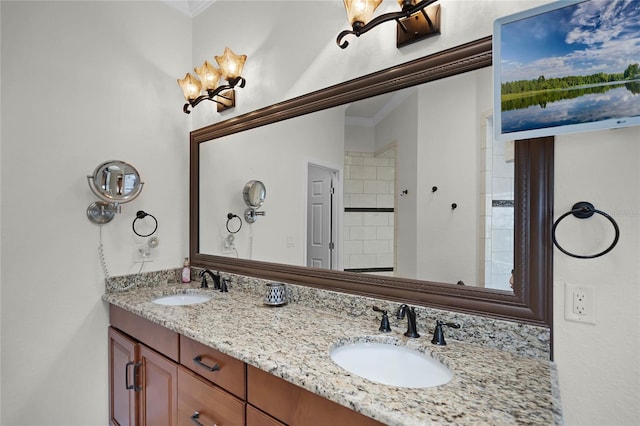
(370, 187)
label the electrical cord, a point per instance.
(250, 241)
(103, 263)
(105, 269)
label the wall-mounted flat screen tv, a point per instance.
(567, 66)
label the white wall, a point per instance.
(448, 246)
(599, 364)
(400, 127)
(277, 155)
(83, 82)
(54, 353)
(590, 398)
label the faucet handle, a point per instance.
(203, 281)
(438, 334)
(216, 282)
(384, 323)
(223, 286)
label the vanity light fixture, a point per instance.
(209, 76)
(415, 20)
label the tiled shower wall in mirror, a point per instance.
(369, 212)
(498, 211)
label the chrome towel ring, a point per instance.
(584, 210)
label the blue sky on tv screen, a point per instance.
(581, 39)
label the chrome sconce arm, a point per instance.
(410, 28)
(224, 100)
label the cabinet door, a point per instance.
(159, 396)
(201, 403)
(123, 399)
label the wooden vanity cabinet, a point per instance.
(158, 377)
(143, 371)
(151, 388)
(143, 384)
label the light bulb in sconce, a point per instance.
(231, 64)
(209, 75)
(191, 87)
(360, 11)
(415, 20)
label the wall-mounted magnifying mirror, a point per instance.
(254, 193)
(114, 182)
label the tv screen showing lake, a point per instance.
(571, 106)
(567, 66)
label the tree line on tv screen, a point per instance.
(541, 83)
(524, 93)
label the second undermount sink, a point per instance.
(181, 299)
(392, 365)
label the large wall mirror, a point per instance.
(389, 185)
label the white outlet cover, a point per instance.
(573, 312)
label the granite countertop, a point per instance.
(293, 342)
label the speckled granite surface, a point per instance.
(521, 339)
(490, 386)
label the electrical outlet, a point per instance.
(143, 253)
(228, 246)
(580, 304)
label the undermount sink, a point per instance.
(392, 365)
(181, 299)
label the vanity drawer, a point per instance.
(151, 334)
(213, 405)
(296, 406)
(256, 417)
(201, 359)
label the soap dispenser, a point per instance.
(186, 271)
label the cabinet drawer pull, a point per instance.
(198, 360)
(136, 368)
(194, 418)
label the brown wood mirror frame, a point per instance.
(531, 301)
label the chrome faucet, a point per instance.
(411, 320)
(215, 277)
